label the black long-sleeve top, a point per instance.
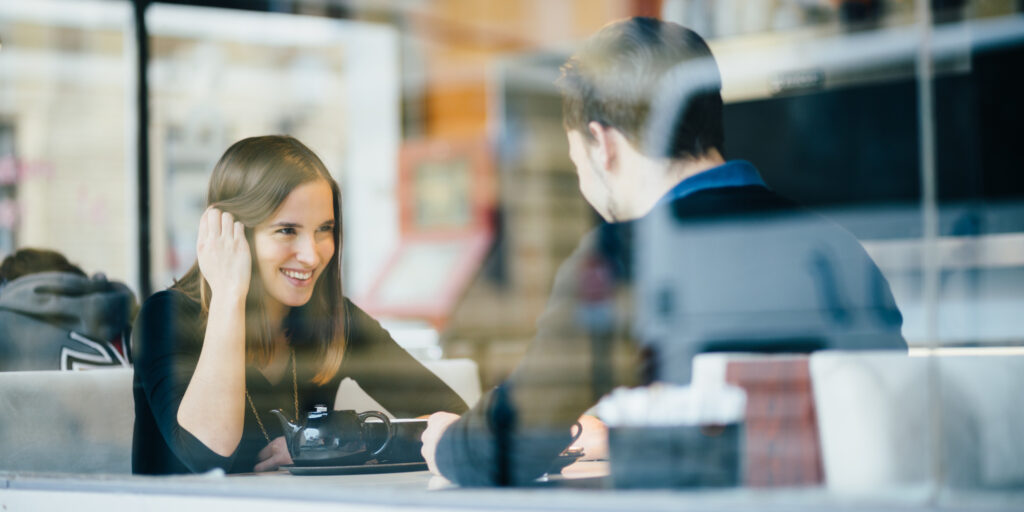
(745, 263)
(167, 339)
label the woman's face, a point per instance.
(294, 245)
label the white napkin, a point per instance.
(663, 404)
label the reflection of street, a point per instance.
(979, 299)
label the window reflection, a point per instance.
(65, 140)
(853, 109)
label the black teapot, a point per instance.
(333, 438)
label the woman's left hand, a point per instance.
(273, 456)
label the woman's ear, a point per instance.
(606, 152)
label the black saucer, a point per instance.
(361, 469)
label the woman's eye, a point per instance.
(286, 231)
(326, 228)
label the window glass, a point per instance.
(788, 268)
(67, 133)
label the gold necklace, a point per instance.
(295, 394)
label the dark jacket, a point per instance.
(63, 321)
(730, 268)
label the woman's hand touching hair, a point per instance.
(223, 253)
(213, 407)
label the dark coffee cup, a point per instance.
(569, 454)
(405, 440)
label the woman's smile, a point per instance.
(298, 277)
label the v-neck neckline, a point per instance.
(262, 382)
(283, 373)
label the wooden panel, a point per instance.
(782, 446)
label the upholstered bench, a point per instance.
(67, 421)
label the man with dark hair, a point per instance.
(715, 260)
(614, 77)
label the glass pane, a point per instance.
(783, 267)
(270, 73)
(66, 143)
(68, 230)
(976, 266)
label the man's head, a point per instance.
(31, 261)
(608, 89)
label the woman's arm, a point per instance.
(391, 375)
(213, 407)
(166, 342)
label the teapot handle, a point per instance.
(387, 428)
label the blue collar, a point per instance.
(734, 173)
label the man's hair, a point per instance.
(629, 64)
(32, 261)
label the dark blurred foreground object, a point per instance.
(855, 12)
(676, 456)
(869, 13)
(54, 317)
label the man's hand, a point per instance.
(593, 440)
(437, 423)
(273, 456)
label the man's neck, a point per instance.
(659, 176)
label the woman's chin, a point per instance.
(293, 301)
(297, 303)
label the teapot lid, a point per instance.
(319, 411)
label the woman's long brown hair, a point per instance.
(251, 180)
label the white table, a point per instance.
(420, 491)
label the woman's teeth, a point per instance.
(302, 276)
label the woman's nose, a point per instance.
(306, 252)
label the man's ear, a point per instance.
(606, 152)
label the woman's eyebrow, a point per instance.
(288, 224)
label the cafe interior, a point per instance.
(442, 123)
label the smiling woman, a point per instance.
(295, 244)
(260, 322)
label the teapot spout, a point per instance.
(287, 426)
(290, 431)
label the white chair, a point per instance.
(889, 420)
(58, 421)
(460, 374)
